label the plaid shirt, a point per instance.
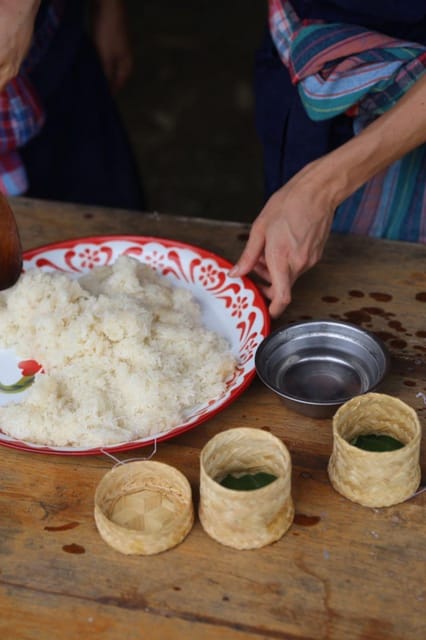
(21, 113)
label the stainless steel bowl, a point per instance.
(318, 365)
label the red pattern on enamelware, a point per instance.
(236, 304)
(29, 367)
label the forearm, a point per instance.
(111, 38)
(391, 136)
(16, 30)
(20, 8)
(289, 234)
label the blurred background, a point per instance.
(188, 106)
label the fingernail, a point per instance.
(234, 271)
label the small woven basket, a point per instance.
(375, 479)
(143, 507)
(245, 519)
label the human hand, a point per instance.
(289, 235)
(111, 39)
(16, 31)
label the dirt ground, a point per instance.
(189, 106)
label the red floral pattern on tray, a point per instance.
(231, 306)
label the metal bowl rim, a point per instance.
(321, 403)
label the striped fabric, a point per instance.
(21, 114)
(340, 68)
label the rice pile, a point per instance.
(125, 355)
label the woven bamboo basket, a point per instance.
(375, 479)
(143, 507)
(245, 519)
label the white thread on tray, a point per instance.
(119, 462)
(422, 395)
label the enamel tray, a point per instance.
(233, 307)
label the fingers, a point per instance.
(123, 72)
(277, 282)
(262, 271)
(273, 269)
(117, 71)
(277, 305)
(281, 279)
(112, 41)
(251, 254)
(279, 298)
(288, 236)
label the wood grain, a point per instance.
(341, 571)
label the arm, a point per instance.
(111, 38)
(16, 29)
(289, 235)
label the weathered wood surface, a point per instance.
(341, 571)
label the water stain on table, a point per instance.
(63, 527)
(384, 335)
(364, 317)
(359, 316)
(377, 311)
(306, 521)
(395, 324)
(398, 344)
(380, 297)
(73, 548)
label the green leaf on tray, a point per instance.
(376, 442)
(248, 481)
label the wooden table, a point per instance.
(342, 571)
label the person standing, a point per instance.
(341, 111)
(61, 135)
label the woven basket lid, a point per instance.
(143, 507)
